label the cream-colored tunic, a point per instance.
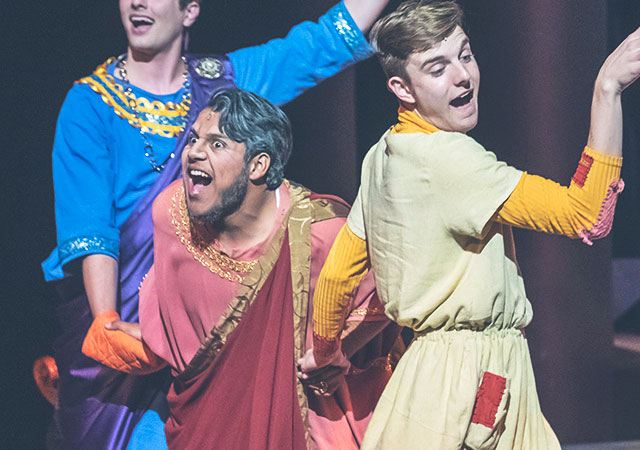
(444, 268)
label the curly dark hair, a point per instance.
(263, 128)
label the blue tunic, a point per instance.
(99, 167)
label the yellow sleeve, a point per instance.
(582, 210)
(346, 265)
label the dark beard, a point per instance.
(230, 201)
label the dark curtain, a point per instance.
(538, 62)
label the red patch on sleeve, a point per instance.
(584, 166)
(488, 399)
(324, 347)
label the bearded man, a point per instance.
(117, 146)
(228, 301)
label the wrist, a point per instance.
(606, 89)
(324, 349)
(106, 316)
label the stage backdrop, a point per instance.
(538, 61)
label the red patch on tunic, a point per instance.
(584, 166)
(488, 399)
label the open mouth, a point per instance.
(198, 177)
(462, 100)
(141, 21)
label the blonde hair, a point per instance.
(415, 26)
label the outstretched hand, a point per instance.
(619, 70)
(132, 329)
(622, 67)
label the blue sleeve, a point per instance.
(83, 181)
(149, 433)
(282, 69)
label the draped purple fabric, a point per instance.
(136, 234)
(99, 407)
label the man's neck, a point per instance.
(252, 223)
(160, 73)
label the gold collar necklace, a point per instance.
(204, 252)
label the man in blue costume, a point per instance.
(117, 144)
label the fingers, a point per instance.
(320, 374)
(622, 67)
(308, 363)
(325, 385)
(132, 329)
(636, 33)
(324, 381)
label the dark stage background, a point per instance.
(538, 61)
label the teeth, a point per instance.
(141, 20)
(462, 100)
(198, 173)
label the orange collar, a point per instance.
(412, 122)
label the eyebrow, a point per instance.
(431, 61)
(212, 137)
(440, 58)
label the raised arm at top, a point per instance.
(365, 12)
(619, 71)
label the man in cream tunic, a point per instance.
(433, 220)
(451, 275)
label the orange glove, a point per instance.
(117, 349)
(45, 373)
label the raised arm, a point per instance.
(585, 208)
(619, 71)
(365, 12)
(282, 69)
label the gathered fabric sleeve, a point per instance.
(582, 210)
(347, 263)
(83, 179)
(282, 69)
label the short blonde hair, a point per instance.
(415, 26)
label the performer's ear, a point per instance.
(401, 89)
(259, 166)
(191, 12)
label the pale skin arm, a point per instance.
(619, 71)
(100, 276)
(365, 12)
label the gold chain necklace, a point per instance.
(202, 251)
(121, 66)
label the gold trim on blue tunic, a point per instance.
(164, 119)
